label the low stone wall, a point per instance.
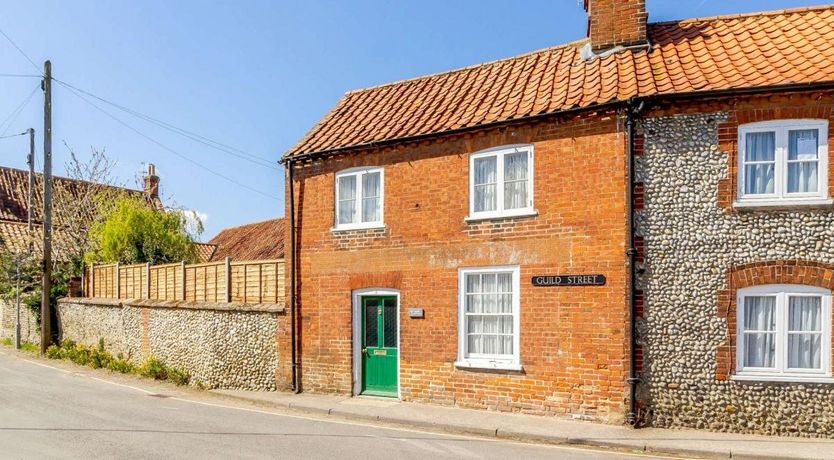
(232, 346)
(29, 326)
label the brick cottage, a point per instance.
(635, 226)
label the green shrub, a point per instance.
(99, 358)
(30, 347)
(7, 341)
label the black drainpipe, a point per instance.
(632, 110)
(295, 386)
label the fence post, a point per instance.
(147, 280)
(182, 266)
(92, 281)
(118, 278)
(228, 279)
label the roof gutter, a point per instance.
(790, 87)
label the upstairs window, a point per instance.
(783, 161)
(784, 332)
(501, 182)
(359, 198)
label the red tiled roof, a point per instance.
(716, 53)
(14, 191)
(205, 251)
(256, 241)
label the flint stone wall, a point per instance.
(690, 244)
(230, 346)
(29, 328)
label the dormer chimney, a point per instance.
(152, 182)
(616, 23)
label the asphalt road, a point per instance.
(72, 412)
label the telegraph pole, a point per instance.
(46, 288)
(31, 161)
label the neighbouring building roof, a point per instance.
(14, 192)
(256, 241)
(14, 209)
(715, 53)
(205, 251)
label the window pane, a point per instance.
(758, 178)
(347, 199)
(390, 323)
(759, 349)
(802, 177)
(760, 146)
(371, 325)
(803, 144)
(370, 197)
(759, 313)
(805, 314)
(485, 177)
(804, 351)
(473, 284)
(515, 180)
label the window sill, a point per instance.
(782, 378)
(506, 215)
(351, 228)
(488, 365)
(785, 204)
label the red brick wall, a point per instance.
(573, 340)
(616, 22)
(756, 274)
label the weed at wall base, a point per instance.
(99, 358)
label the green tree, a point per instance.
(134, 232)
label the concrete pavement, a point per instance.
(52, 409)
(533, 428)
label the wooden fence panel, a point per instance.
(260, 281)
(132, 281)
(205, 282)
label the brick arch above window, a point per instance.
(781, 271)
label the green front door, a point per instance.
(379, 346)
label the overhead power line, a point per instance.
(15, 135)
(169, 149)
(19, 75)
(246, 156)
(12, 117)
(37, 69)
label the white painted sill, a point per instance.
(488, 365)
(505, 215)
(782, 378)
(785, 203)
(373, 226)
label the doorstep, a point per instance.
(541, 429)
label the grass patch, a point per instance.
(24, 346)
(99, 358)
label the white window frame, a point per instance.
(780, 195)
(780, 371)
(485, 361)
(500, 212)
(359, 173)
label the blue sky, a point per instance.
(253, 75)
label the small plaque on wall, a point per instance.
(568, 280)
(416, 313)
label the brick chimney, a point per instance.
(152, 182)
(615, 23)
